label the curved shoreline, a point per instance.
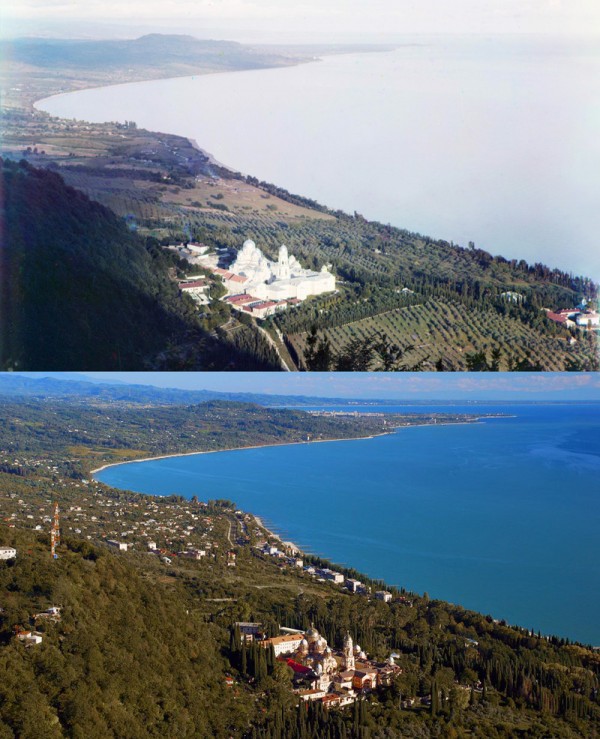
(287, 443)
(235, 449)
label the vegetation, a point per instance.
(444, 301)
(109, 303)
(87, 432)
(147, 647)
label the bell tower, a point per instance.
(348, 652)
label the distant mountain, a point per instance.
(147, 51)
(14, 385)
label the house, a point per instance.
(120, 545)
(8, 552)
(196, 289)
(194, 553)
(335, 577)
(383, 595)
(354, 585)
(29, 638)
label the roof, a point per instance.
(265, 304)
(195, 283)
(285, 639)
(241, 299)
(556, 317)
(297, 667)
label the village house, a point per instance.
(8, 553)
(120, 545)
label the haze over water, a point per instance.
(485, 139)
(501, 516)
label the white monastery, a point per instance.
(284, 279)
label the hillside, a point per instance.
(145, 643)
(79, 290)
(447, 302)
(36, 67)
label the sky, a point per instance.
(300, 21)
(536, 386)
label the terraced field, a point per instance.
(445, 330)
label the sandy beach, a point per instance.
(288, 443)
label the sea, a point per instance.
(500, 516)
(484, 139)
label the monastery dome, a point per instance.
(249, 244)
(312, 635)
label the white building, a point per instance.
(197, 289)
(280, 280)
(383, 595)
(29, 638)
(120, 545)
(354, 585)
(335, 577)
(283, 644)
(195, 553)
(588, 320)
(8, 552)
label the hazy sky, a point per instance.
(306, 19)
(399, 385)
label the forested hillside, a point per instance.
(143, 642)
(80, 290)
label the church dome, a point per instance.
(312, 635)
(249, 244)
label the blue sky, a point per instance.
(400, 385)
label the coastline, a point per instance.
(288, 443)
(236, 449)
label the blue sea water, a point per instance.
(500, 516)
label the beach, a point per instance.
(287, 443)
(439, 510)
